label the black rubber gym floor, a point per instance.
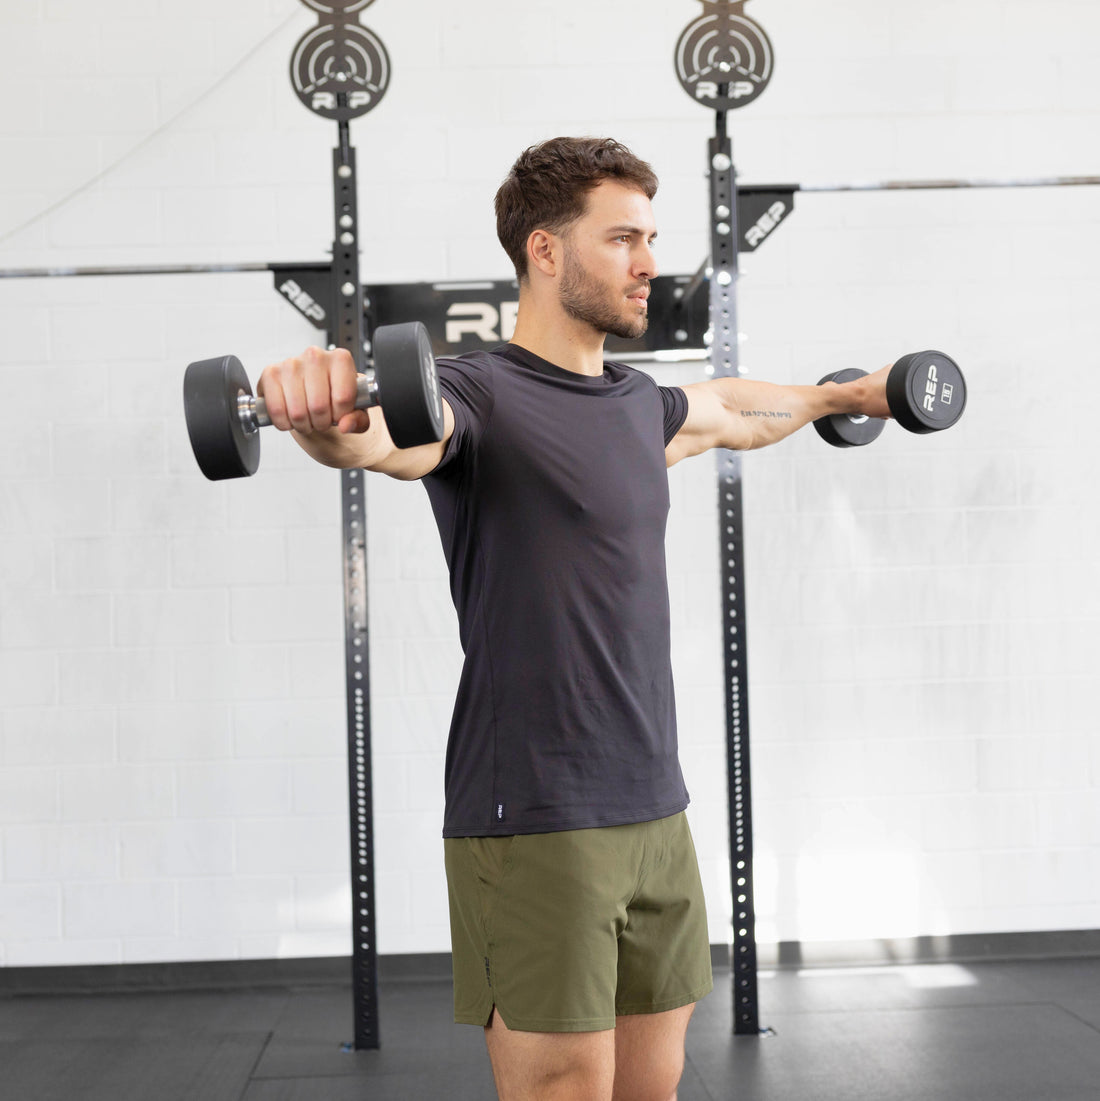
(1012, 1031)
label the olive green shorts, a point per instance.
(562, 932)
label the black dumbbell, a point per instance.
(224, 419)
(926, 392)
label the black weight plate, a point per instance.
(337, 9)
(211, 391)
(724, 59)
(337, 60)
(843, 429)
(926, 391)
(408, 384)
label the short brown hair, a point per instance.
(548, 187)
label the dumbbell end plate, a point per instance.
(408, 384)
(842, 430)
(211, 393)
(926, 391)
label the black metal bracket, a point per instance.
(308, 288)
(759, 212)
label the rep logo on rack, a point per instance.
(724, 58)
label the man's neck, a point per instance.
(558, 338)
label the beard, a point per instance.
(585, 299)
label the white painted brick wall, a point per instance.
(923, 616)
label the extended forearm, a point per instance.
(342, 451)
(373, 448)
(314, 396)
(763, 413)
(742, 414)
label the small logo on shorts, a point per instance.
(500, 811)
(488, 976)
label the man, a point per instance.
(578, 930)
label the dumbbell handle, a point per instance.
(253, 410)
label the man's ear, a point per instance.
(543, 252)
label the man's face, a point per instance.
(608, 262)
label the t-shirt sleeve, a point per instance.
(676, 410)
(467, 386)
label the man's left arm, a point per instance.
(744, 414)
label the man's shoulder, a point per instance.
(618, 370)
(474, 362)
(632, 380)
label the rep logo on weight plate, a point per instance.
(340, 69)
(723, 58)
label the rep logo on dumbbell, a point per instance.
(926, 392)
(224, 418)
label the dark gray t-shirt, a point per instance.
(551, 502)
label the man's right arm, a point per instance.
(313, 397)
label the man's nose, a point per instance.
(645, 262)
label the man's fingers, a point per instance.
(343, 380)
(317, 388)
(311, 392)
(272, 388)
(356, 421)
